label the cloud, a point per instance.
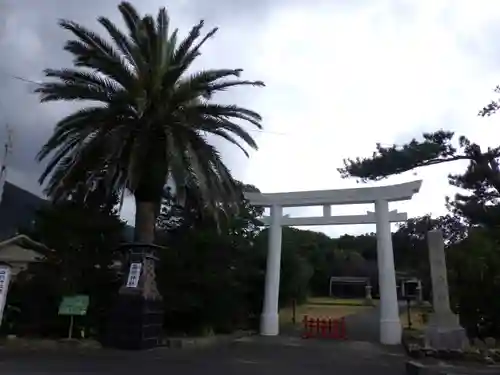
(340, 77)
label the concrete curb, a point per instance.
(21, 344)
(48, 344)
(417, 368)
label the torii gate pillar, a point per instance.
(390, 324)
(270, 322)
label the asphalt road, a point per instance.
(253, 355)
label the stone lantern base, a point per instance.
(444, 332)
(136, 321)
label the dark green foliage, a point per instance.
(411, 253)
(296, 269)
(492, 107)
(365, 244)
(82, 233)
(482, 180)
(474, 269)
(32, 304)
(210, 282)
(177, 215)
(211, 276)
(473, 261)
(410, 243)
(435, 148)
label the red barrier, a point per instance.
(325, 328)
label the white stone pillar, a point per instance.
(5, 276)
(444, 330)
(390, 324)
(269, 322)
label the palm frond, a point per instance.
(214, 181)
(187, 43)
(222, 86)
(93, 52)
(185, 54)
(126, 46)
(229, 111)
(208, 110)
(55, 91)
(80, 123)
(72, 76)
(162, 24)
(131, 18)
(216, 125)
(151, 37)
(228, 137)
(89, 158)
(60, 153)
(196, 48)
(199, 83)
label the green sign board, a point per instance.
(74, 305)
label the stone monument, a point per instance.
(444, 330)
(137, 318)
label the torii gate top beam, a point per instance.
(390, 193)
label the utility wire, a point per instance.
(26, 80)
(22, 79)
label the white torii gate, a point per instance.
(390, 325)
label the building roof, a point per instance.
(349, 280)
(22, 249)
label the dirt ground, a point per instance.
(323, 308)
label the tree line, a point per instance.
(211, 272)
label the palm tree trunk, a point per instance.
(145, 220)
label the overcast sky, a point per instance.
(341, 75)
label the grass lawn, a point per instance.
(322, 308)
(338, 301)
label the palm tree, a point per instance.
(146, 118)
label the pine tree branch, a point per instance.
(435, 148)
